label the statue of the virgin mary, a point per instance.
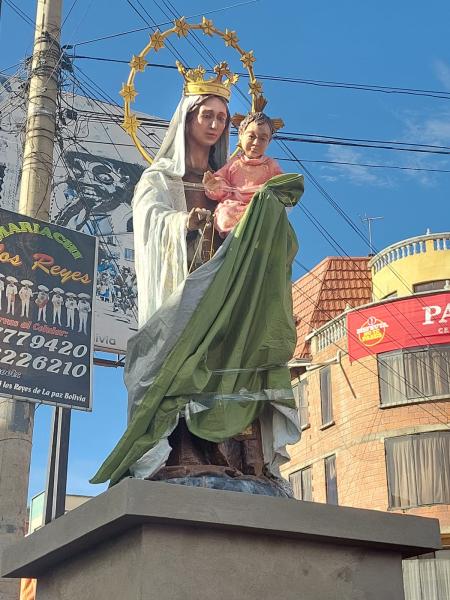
(210, 399)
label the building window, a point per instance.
(302, 484)
(331, 480)
(414, 375)
(129, 254)
(300, 394)
(418, 469)
(427, 576)
(325, 396)
(430, 286)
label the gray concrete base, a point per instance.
(146, 540)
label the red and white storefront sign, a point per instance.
(403, 323)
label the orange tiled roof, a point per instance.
(324, 293)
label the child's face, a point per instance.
(255, 139)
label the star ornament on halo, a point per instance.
(255, 88)
(207, 26)
(230, 38)
(181, 27)
(138, 63)
(128, 92)
(157, 41)
(248, 59)
(131, 124)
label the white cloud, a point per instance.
(442, 72)
(432, 129)
(358, 175)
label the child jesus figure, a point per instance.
(234, 184)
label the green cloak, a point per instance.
(227, 364)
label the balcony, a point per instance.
(329, 333)
(432, 242)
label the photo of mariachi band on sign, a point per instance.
(77, 306)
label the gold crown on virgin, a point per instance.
(196, 84)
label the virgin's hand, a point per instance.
(197, 217)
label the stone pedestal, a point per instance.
(146, 540)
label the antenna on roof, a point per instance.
(369, 220)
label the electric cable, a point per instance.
(19, 12)
(440, 94)
(315, 182)
(309, 138)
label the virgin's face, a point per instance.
(208, 122)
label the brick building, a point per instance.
(375, 410)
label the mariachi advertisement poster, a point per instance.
(403, 323)
(47, 283)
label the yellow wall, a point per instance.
(400, 275)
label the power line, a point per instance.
(355, 337)
(305, 160)
(20, 12)
(321, 189)
(374, 144)
(379, 377)
(310, 176)
(306, 138)
(335, 244)
(315, 182)
(153, 27)
(442, 95)
(366, 165)
(68, 14)
(376, 373)
(129, 31)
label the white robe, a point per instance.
(160, 216)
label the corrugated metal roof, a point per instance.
(325, 292)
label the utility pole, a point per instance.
(17, 417)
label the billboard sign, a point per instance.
(96, 168)
(93, 195)
(47, 283)
(404, 323)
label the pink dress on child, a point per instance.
(244, 173)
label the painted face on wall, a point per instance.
(96, 180)
(208, 122)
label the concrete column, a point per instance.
(16, 418)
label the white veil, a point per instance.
(160, 215)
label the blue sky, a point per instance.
(394, 44)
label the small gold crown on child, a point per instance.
(258, 105)
(196, 84)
